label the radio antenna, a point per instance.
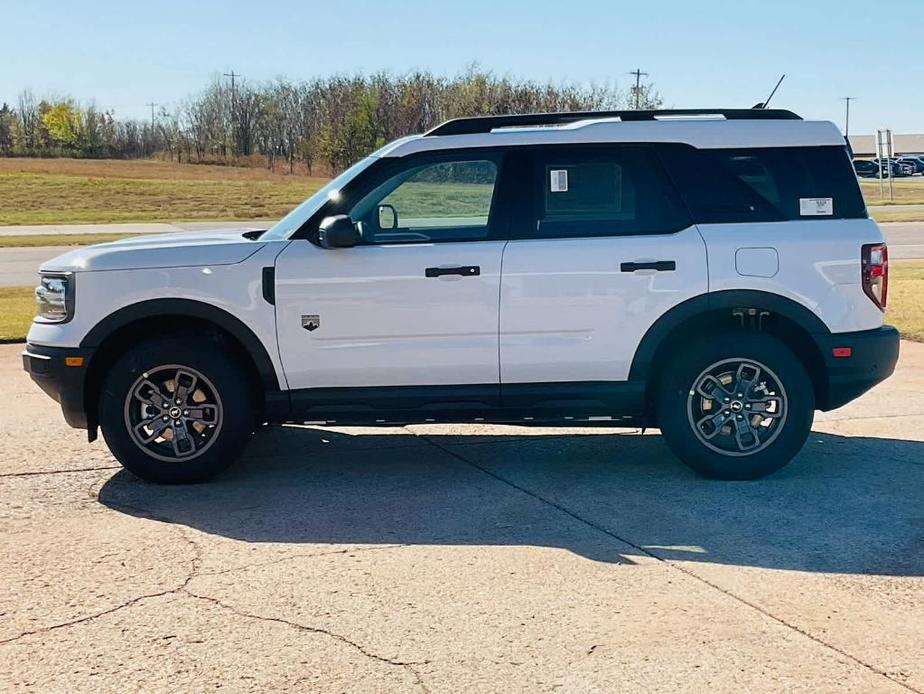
(764, 104)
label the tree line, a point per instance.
(319, 126)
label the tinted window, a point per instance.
(436, 201)
(603, 192)
(765, 184)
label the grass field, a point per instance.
(50, 191)
(908, 191)
(17, 306)
(33, 240)
(906, 310)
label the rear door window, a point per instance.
(603, 191)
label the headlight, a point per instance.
(54, 298)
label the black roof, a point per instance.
(484, 124)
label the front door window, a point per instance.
(443, 201)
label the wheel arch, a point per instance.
(773, 314)
(131, 324)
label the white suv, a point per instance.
(714, 274)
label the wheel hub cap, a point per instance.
(737, 407)
(173, 413)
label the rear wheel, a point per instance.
(176, 410)
(738, 407)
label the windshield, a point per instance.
(292, 221)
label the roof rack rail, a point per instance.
(485, 124)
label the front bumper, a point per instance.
(65, 384)
(873, 355)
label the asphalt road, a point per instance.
(121, 228)
(450, 559)
(18, 266)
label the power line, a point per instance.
(638, 86)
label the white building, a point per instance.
(865, 145)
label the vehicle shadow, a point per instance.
(846, 504)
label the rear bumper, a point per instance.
(873, 355)
(64, 384)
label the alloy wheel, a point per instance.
(173, 413)
(737, 407)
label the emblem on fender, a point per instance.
(311, 322)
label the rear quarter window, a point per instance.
(765, 184)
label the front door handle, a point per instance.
(659, 265)
(464, 270)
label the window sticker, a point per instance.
(816, 207)
(559, 180)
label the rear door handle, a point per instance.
(464, 270)
(659, 265)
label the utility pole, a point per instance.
(638, 86)
(847, 100)
(232, 75)
(153, 105)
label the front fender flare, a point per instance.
(195, 309)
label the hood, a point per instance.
(161, 251)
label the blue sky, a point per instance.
(698, 52)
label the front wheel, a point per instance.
(738, 407)
(176, 410)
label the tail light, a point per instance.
(875, 271)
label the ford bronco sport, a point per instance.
(711, 273)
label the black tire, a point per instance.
(225, 418)
(775, 440)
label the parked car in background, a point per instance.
(916, 163)
(865, 168)
(898, 170)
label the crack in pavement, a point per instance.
(194, 573)
(602, 529)
(194, 566)
(302, 555)
(409, 665)
(58, 472)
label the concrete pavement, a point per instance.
(466, 558)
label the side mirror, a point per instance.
(388, 217)
(337, 232)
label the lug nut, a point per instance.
(186, 412)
